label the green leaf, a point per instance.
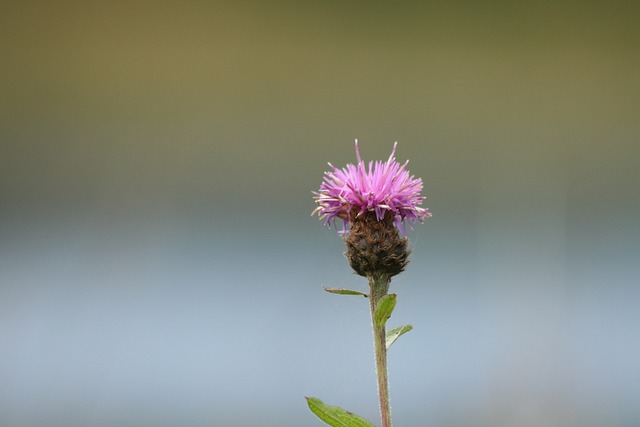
(384, 309)
(344, 292)
(395, 333)
(335, 416)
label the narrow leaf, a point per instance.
(395, 333)
(384, 309)
(335, 416)
(344, 291)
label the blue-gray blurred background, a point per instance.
(158, 262)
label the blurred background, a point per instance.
(158, 262)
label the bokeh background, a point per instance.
(158, 262)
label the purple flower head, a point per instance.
(382, 187)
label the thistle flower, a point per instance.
(374, 203)
(383, 187)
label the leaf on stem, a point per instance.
(335, 416)
(344, 292)
(384, 309)
(395, 333)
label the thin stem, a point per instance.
(379, 288)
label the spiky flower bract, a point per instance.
(382, 188)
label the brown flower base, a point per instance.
(375, 248)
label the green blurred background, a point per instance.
(158, 264)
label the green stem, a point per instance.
(379, 288)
